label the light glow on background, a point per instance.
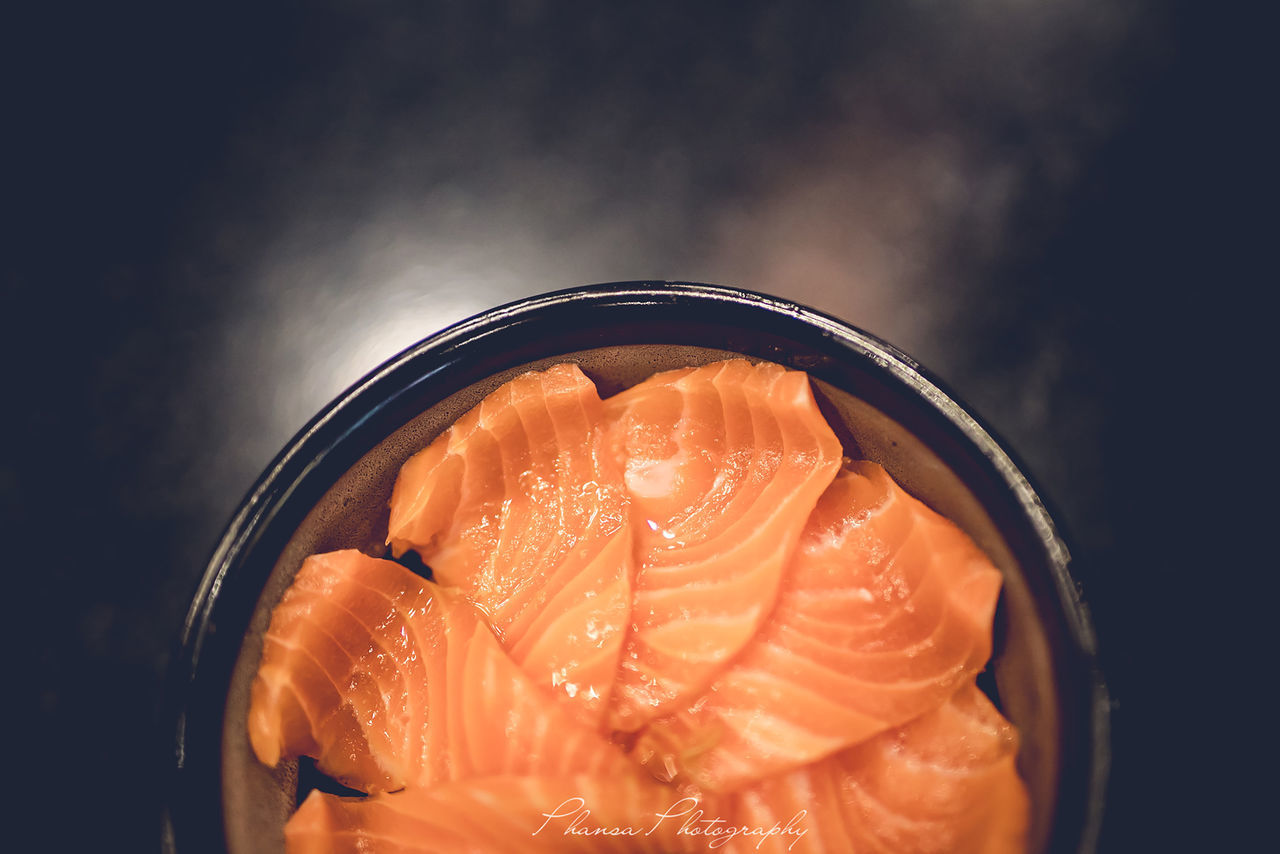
(886, 207)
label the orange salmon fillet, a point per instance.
(723, 464)
(519, 506)
(391, 681)
(944, 783)
(499, 815)
(885, 610)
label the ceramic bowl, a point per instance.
(330, 486)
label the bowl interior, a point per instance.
(353, 513)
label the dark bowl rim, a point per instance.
(308, 449)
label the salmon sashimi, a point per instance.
(678, 619)
(390, 681)
(723, 464)
(498, 815)
(944, 783)
(519, 506)
(886, 610)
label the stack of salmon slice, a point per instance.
(678, 619)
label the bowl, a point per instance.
(329, 489)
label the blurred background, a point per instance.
(218, 218)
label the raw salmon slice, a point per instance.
(620, 813)
(723, 464)
(519, 506)
(390, 681)
(885, 610)
(944, 783)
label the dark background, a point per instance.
(218, 218)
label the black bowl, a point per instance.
(329, 489)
